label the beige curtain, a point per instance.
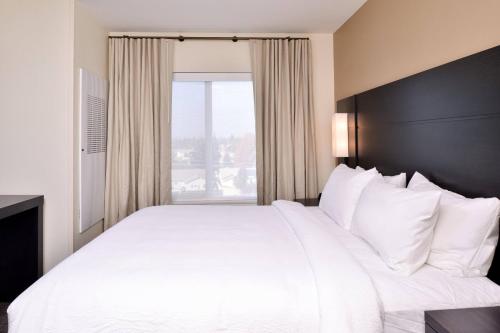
(138, 147)
(284, 114)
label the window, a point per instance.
(213, 138)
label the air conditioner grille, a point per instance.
(96, 125)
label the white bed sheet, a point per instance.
(236, 269)
(405, 298)
(182, 269)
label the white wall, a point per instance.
(212, 56)
(36, 112)
(91, 53)
(226, 56)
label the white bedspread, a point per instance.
(405, 298)
(205, 269)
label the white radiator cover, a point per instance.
(93, 125)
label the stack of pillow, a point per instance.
(411, 226)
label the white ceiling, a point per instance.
(292, 16)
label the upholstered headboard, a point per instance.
(444, 123)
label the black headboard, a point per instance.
(444, 123)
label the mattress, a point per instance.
(405, 298)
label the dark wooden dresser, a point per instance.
(473, 320)
(21, 243)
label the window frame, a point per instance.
(208, 78)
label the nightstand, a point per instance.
(480, 320)
(308, 202)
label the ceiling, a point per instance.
(293, 16)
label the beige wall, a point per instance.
(324, 102)
(91, 53)
(226, 56)
(212, 56)
(390, 39)
(36, 113)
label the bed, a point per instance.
(283, 268)
(237, 269)
(288, 268)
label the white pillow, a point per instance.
(398, 180)
(341, 193)
(398, 223)
(466, 232)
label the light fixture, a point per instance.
(340, 135)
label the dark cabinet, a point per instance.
(21, 243)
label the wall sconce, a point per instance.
(340, 135)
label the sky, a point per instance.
(232, 109)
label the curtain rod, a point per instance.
(234, 38)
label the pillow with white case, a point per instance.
(341, 193)
(466, 232)
(398, 223)
(397, 180)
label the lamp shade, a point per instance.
(340, 135)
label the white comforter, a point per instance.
(205, 269)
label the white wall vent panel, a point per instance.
(93, 116)
(96, 125)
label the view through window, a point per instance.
(213, 138)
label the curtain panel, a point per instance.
(284, 115)
(138, 159)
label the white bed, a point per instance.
(284, 268)
(405, 298)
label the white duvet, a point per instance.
(205, 269)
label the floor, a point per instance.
(3, 317)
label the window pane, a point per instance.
(213, 141)
(234, 135)
(188, 139)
